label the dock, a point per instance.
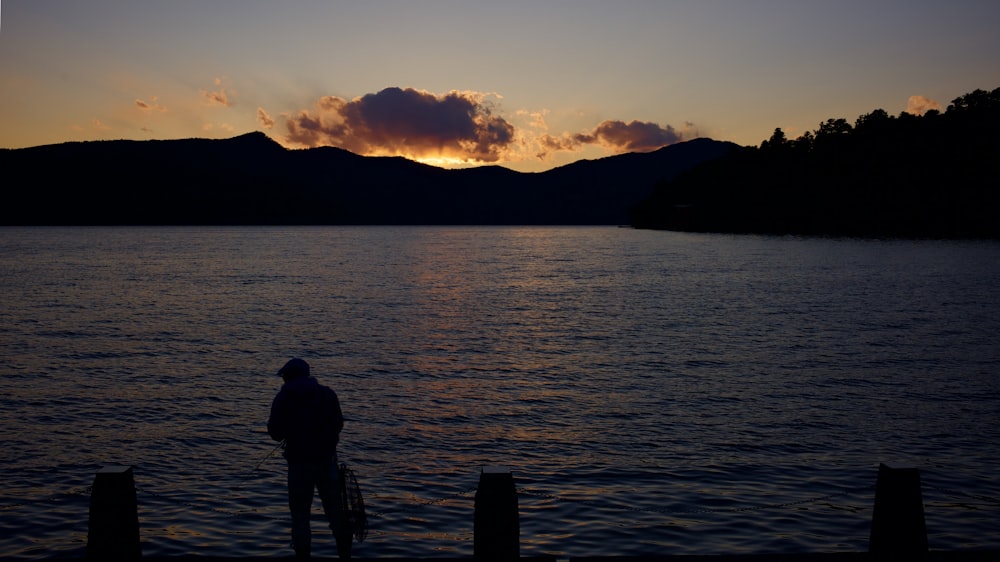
(932, 556)
(898, 532)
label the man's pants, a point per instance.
(303, 479)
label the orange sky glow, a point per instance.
(526, 85)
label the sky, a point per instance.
(529, 85)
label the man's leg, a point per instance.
(333, 505)
(301, 483)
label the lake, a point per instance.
(651, 392)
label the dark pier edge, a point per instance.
(932, 556)
(898, 531)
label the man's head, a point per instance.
(295, 369)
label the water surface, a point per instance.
(652, 392)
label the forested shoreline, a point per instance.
(936, 175)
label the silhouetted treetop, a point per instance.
(977, 100)
(930, 175)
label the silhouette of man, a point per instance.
(306, 415)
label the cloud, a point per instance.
(406, 122)
(219, 96)
(618, 136)
(264, 119)
(151, 105)
(631, 137)
(565, 142)
(536, 118)
(458, 126)
(918, 105)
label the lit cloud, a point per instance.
(407, 122)
(219, 96)
(635, 136)
(918, 105)
(456, 128)
(150, 105)
(264, 119)
(536, 118)
(552, 143)
(619, 136)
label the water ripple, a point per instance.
(651, 392)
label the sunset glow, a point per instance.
(447, 83)
(442, 161)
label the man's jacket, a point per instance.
(306, 414)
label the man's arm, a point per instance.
(338, 415)
(276, 426)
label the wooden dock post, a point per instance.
(898, 531)
(497, 527)
(114, 516)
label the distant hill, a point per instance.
(930, 176)
(250, 179)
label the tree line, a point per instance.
(932, 175)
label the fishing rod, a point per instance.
(269, 455)
(352, 502)
(250, 472)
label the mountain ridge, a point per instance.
(251, 179)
